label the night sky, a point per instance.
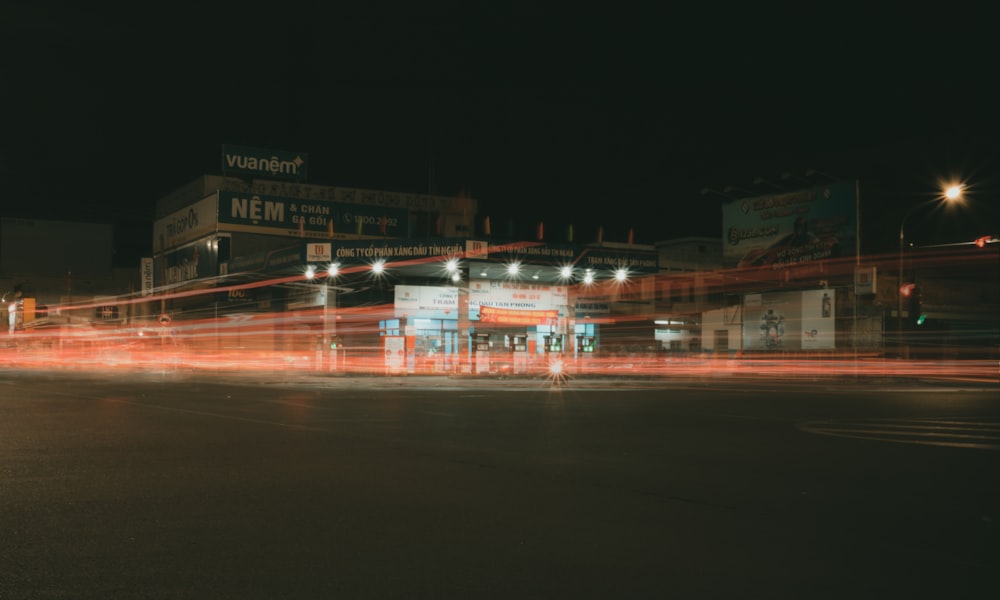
(593, 117)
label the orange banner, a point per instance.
(512, 316)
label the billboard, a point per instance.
(789, 321)
(517, 316)
(146, 275)
(635, 260)
(193, 261)
(276, 215)
(264, 163)
(792, 227)
(501, 302)
(186, 225)
(515, 295)
(430, 302)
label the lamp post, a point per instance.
(329, 337)
(952, 193)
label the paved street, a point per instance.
(174, 486)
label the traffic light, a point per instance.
(914, 306)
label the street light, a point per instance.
(329, 337)
(451, 267)
(952, 193)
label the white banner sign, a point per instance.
(425, 301)
(188, 224)
(864, 281)
(441, 302)
(146, 273)
(516, 295)
(790, 321)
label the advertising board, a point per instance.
(792, 227)
(281, 215)
(789, 321)
(264, 163)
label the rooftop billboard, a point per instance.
(262, 162)
(792, 227)
(278, 215)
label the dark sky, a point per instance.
(602, 116)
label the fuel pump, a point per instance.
(481, 346)
(519, 348)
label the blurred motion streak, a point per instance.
(358, 338)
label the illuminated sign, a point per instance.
(510, 316)
(425, 301)
(264, 163)
(318, 252)
(259, 213)
(604, 259)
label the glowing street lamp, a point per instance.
(451, 267)
(330, 339)
(954, 192)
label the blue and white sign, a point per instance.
(791, 227)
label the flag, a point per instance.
(360, 222)
(631, 236)
(541, 231)
(486, 226)
(329, 227)
(600, 234)
(569, 233)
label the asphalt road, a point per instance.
(169, 486)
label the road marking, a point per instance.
(979, 434)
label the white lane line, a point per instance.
(928, 432)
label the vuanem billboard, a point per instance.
(793, 227)
(264, 163)
(277, 215)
